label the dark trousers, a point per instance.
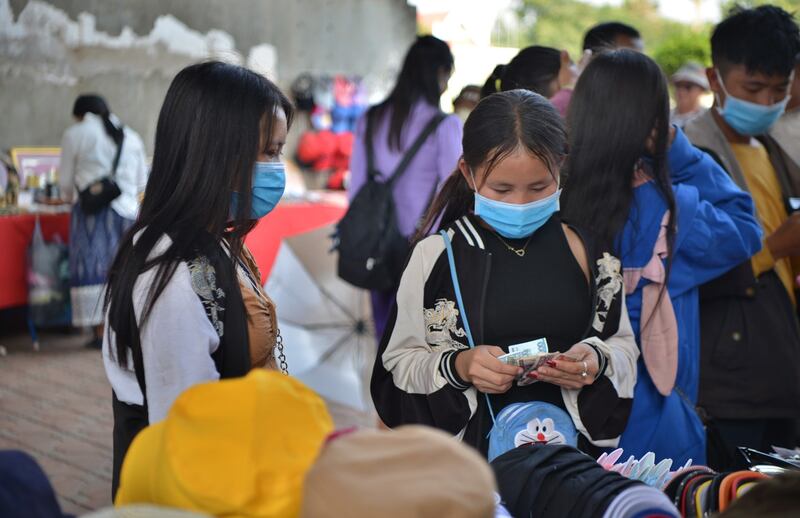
(129, 420)
(726, 435)
(382, 302)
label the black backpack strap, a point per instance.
(372, 174)
(415, 147)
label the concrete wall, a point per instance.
(39, 78)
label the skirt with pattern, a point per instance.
(93, 242)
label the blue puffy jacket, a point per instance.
(716, 230)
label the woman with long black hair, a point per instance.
(98, 146)
(543, 70)
(676, 221)
(391, 128)
(503, 272)
(185, 302)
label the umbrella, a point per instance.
(326, 323)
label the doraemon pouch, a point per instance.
(530, 423)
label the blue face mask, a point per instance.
(513, 220)
(748, 118)
(269, 182)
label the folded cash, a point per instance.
(531, 364)
(528, 362)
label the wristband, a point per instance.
(602, 361)
(447, 368)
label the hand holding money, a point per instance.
(574, 369)
(481, 368)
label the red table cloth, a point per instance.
(288, 219)
(16, 233)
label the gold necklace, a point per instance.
(519, 251)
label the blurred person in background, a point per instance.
(612, 35)
(750, 353)
(466, 101)
(690, 84)
(547, 71)
(787, 130)
(395, 124)
(185, 300)
(543, 70)
(98, 146)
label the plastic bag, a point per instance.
(48, 281)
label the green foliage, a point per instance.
(561, 24)
(677, 49)
(792, 6)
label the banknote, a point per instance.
(528, 362)
(532, 347)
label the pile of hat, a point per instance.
(558, 480)
(263, 446)
(699, 491)
(645, 469)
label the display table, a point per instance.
(288, 219)
(16, 233)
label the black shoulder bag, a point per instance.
(102, 192)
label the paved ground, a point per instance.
(56, 405)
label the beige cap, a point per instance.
(692, 72)
(411, 472)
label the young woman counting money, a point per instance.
(503, 271)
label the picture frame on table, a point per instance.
(38, 161)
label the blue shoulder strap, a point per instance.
(457, 288)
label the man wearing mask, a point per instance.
(750, 340)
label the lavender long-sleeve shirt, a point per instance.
(434, 162)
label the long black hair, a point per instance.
(498, 126)
(620, 101)
(533, 68)
(207, 141)
(425, 61)
(93, 103)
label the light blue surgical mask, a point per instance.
(269, 182)
(749, 118)
(514, 220)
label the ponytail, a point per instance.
(95, 104)
(494, 83)
(116, 133)
(454, 201)
(533, 68)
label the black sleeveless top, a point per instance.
(543, 294)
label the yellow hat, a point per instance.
(237, 447)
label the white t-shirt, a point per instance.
(87, 155)
(177, 341)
